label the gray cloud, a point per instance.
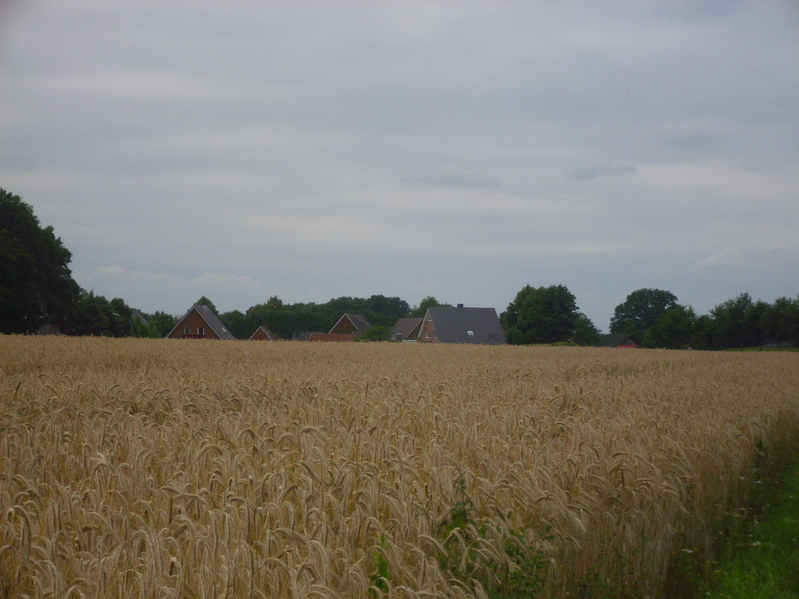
(459, 151)
(587, 173)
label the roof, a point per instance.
(265, 333)
(211, 319)
(358, 321)
(467, 325)
(613, 339)
(406, 328)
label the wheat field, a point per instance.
(156, 468)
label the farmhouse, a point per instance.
(200, 322)
(348, 328)
(406, 329)
(262, 333)
(350, 324)
(461, 325)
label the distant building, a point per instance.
(406, 329)
(262, 333)
(49, 329)
(200, 322)
(461, 325)
(616, 340)
(350, 324)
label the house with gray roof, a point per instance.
(350, 324)
(461, 325)
(622, 340)
(200, 322)
(263, 333)
(406, 329)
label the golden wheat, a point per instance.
(155, 468)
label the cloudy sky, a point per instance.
(311, 150)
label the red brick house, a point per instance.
(350, 324)
(262, 333)
(200, 322)
(406, 329)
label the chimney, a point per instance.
(460, 305)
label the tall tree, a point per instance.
(160, 323)
(236, 323)
(738, 322)
(95, 315)
(204, 301)
(385, 311)
(673, 329)
(640, 311)
(541, 315)
(36, 284)
(585, 332)
(781, 320)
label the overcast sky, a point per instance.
(311, 150)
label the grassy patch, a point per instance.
(763, 557)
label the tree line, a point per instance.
(37, 288)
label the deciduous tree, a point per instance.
(640, 311)
(541, 315)
(36, 284)
(673, 329)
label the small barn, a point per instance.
(262, 333)
(461, 325)
(200, 322)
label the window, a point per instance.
(187, 331)
(200, 331)
(470, 333)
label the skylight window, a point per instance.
(470, 333)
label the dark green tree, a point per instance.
(780, 320)
(159, 325)
(204, 301)
(36, 284)
(385, 311)
(428, 302)
(274, 303)
(737, 322)
(704, 334)
(91, 315)
(95, 315)
(376, 332)
(541, 315)
(674, 329)
(237, 323)
(122, 324)
(585, 332)
(640, 311)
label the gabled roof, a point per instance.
(406, 328)
(211, 319)
(358, 322)
(614, 340)
(466, 325)
(263, 333)
(303, 335)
